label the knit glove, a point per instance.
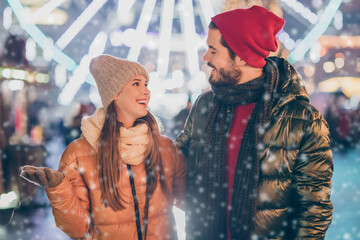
(42, 176)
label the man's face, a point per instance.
(218, 58)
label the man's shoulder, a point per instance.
(204, 97)
(301, 109)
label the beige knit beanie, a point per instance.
(111, 74)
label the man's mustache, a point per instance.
(210, 65)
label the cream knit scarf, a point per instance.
(133, 141)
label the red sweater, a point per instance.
(238, 124)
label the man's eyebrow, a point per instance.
(212, 47)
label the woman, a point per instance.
(121, 178)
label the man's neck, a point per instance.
(249, 73)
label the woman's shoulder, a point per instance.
(169, 150)
(167, 144)
(80, 147)
(165, 140)
(167, 147)
(78, 155)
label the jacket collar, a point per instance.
(291, 86)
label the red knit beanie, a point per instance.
(250, 33)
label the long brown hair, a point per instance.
(108, 159)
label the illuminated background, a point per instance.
(321, 38)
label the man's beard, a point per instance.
(225, 77)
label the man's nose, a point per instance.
(205, 57)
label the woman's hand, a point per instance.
(42, 176)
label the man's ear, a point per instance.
(239, 62)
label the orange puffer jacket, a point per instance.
(77, 205)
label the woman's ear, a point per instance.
(117, 97)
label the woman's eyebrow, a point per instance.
(139, 80)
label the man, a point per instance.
(259, 163)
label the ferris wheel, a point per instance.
(164, 35)
(167, 36)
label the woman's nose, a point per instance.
(147, 92)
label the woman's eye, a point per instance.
(212, 52)
(136, 84)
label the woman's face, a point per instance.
(132, 101)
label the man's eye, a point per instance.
(212, 52)
(136, 84)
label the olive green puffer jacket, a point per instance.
(296, 164)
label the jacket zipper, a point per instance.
(228, 117)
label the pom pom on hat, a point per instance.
(111, 74)
(250, 33)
